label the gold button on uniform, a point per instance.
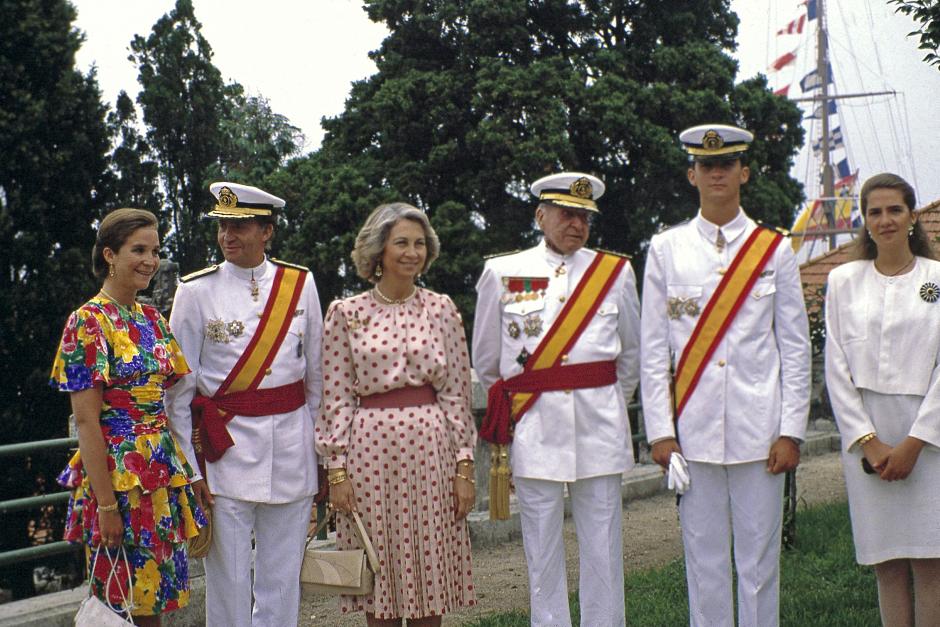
(267, 371)
(564, 358)
(721, 363)
(561, 299)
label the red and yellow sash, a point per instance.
(720, 311)
(570, 322)
(209, 418)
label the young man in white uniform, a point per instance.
(578, 436)
(262, 470)
(741, 426)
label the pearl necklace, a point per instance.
(394, 301)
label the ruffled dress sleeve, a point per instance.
(454, 395)
(338, 405)
(81, 361)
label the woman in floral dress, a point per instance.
(395, 429)
(131, 484)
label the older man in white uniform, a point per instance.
(748, 349)
(577, 436)
(250, 329)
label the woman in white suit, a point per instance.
(883, 377)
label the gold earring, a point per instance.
(910, 230)
(111, 270)
(378, 270)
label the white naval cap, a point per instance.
(574, 190)
(234, 200)
(715, 142)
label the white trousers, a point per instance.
(280, 531)
(743, 502)
(597, 510)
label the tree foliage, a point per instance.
(927, 12)
(53, 159)
(474, 99)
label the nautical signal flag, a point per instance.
(814, 81)
(795, 27)
(782, 91)
(835, 141)
(843, 169)
(818, 111)
(810, 9)
(783, 61)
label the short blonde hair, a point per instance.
(372, 237)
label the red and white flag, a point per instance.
(795, 27)
(782, 91)
(783, 61)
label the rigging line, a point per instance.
(910, 148)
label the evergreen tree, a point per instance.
(474, 99)
(53, 147)
(136, 176)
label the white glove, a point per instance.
(678, 474)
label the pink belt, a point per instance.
(408, 396)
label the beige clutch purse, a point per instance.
(348, 571)
(199, 545)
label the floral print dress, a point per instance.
(133, 355)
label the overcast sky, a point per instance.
(303, 56)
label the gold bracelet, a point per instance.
(865, 439)
(337, 478)
(108, 508)
(466, 478)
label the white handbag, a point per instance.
(93, 612)
(346, 571)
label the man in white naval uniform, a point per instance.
(740, 428)
(262, 485)
(579, 437)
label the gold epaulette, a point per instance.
(192, 276)
(495, 255)
(614, 253)
(778, 229)
(295, 266)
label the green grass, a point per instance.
(821, 585)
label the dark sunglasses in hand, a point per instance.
(867, 467)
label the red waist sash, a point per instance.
(498, 423)
(211, 414)
(408, 396)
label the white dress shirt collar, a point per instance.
(246, 274)
(731, 230)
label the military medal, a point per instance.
(298, 312)
(235, 328)
(216, 331)
(691, 307)
(523, 357)
(930, 292)
(560, 270)
(520, 288)
(532, 325)
(513, 329)
(677, 306)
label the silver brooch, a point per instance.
(930, 292)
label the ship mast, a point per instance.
(822, 70)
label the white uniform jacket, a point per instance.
(565, 435)
(273, 459)
(756, 385)
(883, 335)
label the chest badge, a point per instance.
(532, 325)
(356, 322)
(513, 329)
(523, 357)
(235, 328)
(930, 292)
(222, 332)
(676, 307)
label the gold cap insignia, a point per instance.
(712, 140)
(582, 188)
(227, 198)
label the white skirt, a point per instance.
(894, 519)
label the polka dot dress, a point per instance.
(402, 462)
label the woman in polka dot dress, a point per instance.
(395, 429)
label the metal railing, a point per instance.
(32, 502)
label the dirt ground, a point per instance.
(651, 538)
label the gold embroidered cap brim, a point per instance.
(697, 151)
(567, 200)
(238, 212)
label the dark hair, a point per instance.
(865, 247)
(114, 230)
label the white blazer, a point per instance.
(883, 335)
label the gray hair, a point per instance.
(372, 237)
